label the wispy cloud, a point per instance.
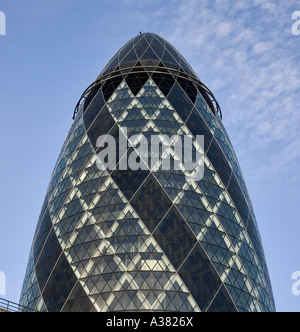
(245, 52)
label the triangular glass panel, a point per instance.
(141, 46)
(126, 49)
(198, 269)
(149, 55)
(169, 61)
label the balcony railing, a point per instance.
(8, 306)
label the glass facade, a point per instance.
(147, 240)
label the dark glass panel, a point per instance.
(59, 286)
(222, 302)
(180, 102)
(101, 126)
(91, 96)
(175, 238)
(149, 55)
(157, 47)
(173, 52)
(207, 99)
(238, 199)
(149, 37)
(129, 181)
(42, 234)
(138, 67)
(165, 82)
(151, 203)
(200, 277)
(78, 301)
(198, 127)
(47, 259)
(162, 68)
(189, 88)
(219, 162)
(94, 107)
(130, 57)
(110, 86)
(183, 73)
(136, 81)
(150, 64)
(169, 61)
(141, 46)
(123, 53)
(255, 238)
(125, 67)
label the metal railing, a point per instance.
(8, 306)
(149, 69)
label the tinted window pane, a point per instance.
(189, 88)
(164, 82)
(110, 86)
(175, 237)
(94, 105)
(200, 277)
(129, 181)
(42, 235)
(60, 285)
(198, 127)
(136, 81)
(219, 162)
(151, 203)
(48, 259)
(180, 102)
(101, 126)
(222, 302)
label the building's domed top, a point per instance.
(148, 49)
(149, 55)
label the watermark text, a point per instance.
(155, 153)
(296, 284)
(296, 25)
(2, 284)
(2, 24)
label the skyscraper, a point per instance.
(146, 239)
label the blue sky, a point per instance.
(244, 51)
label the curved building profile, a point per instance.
(147, 239)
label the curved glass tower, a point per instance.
(147, 239)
